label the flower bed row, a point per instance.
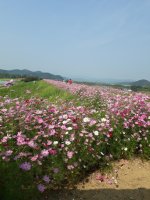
(50, 146)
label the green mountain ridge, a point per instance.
(142, 83)
(25, 72)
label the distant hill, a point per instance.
(26, 72)
(141, 83)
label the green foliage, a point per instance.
(15, 184)
(35, 89)
(136, 88)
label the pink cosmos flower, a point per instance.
(26, 166)
(52, 151)
(51, 126)
(100, 177)
(92, 122)
(63, 127)
(46, 179)
(70, 154)
(44, 153)
(49, 142)
(20, 139)
(8, 153)
(90, 135)
(52, 132)
(4, 139)
(41, 188)
(32, 144)
(56, 170)
(40, 120)
(34, 158)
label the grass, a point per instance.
(35, 89)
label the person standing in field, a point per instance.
(70, 81)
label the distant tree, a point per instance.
(135, 88)
(30, 79)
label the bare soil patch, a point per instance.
(129, 180)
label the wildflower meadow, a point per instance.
(48, 145)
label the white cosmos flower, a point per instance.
(67, 142)
(149, 117)
(65, 122)
(66, 133)
(38, 112)
(55, 142)
(70, 128)
(103, 119)
(125, 149)
(102, 124)
(86, 119)
(65, 116)
(96, 132)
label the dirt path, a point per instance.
(129, 180)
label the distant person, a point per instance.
(70, 81)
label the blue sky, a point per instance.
(95, 39)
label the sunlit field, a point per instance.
(52, 134)
(34, 89)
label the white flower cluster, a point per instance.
(55, 142)
(96, 133)
(86, 119)
(103, 120)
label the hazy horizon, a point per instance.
(87, 39)
(80, 78)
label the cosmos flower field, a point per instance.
(49, 146)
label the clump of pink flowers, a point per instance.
(26, 166)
